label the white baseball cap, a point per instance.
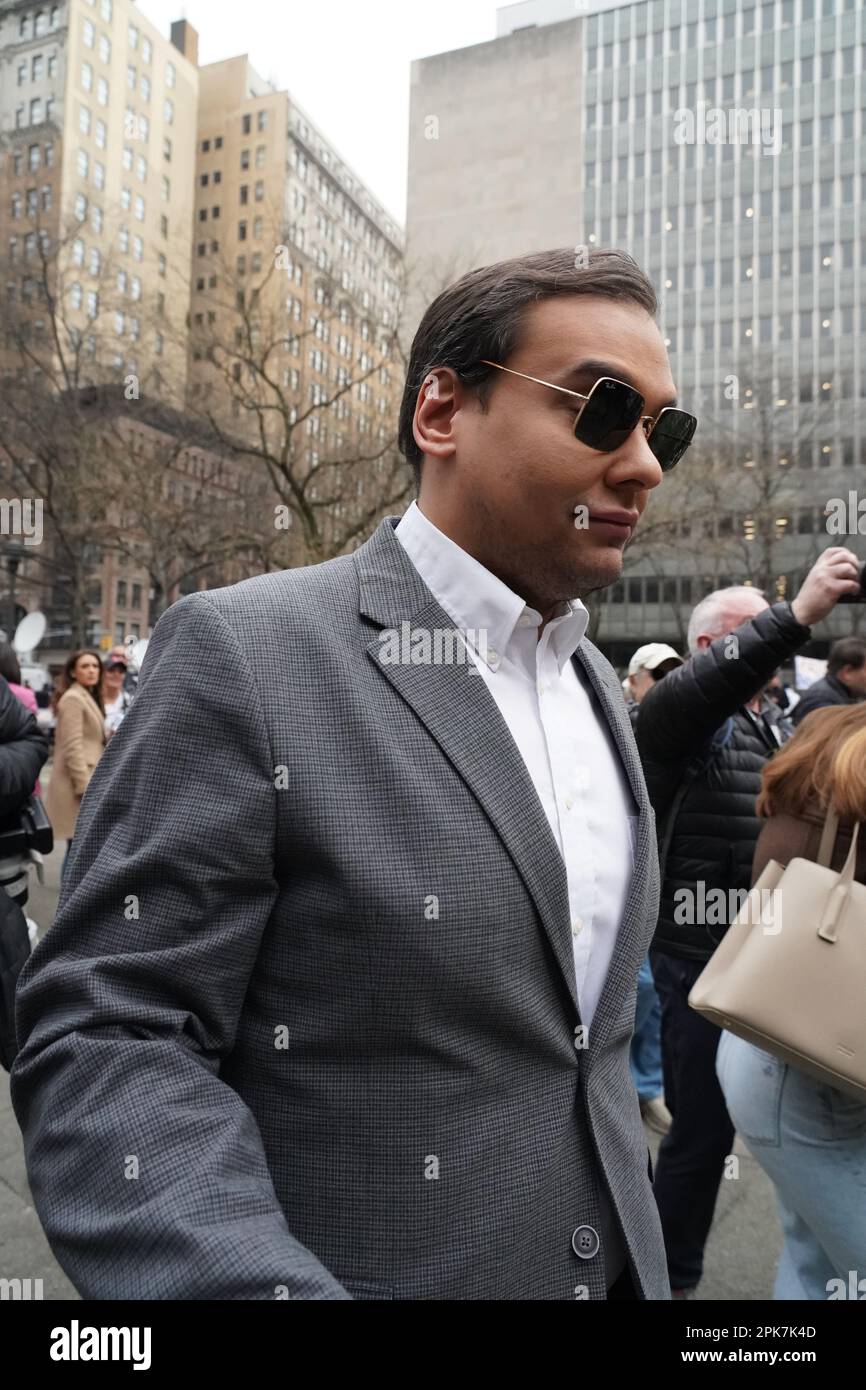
(652, 655)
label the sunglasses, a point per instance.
(613, 409)
(116, 666)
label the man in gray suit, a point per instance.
(339, 997)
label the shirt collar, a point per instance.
(478, 602)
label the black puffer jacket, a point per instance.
(680, 718)
(23, 750)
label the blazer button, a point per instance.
(585, 1242)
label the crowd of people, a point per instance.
(758, 790)
(90, 701)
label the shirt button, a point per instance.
(569, 802)
(493, 657)
(585, 1242)
(576, 927)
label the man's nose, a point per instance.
(635, 462)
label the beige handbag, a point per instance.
(789, 975)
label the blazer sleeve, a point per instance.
(23, 750)
(148, 1171)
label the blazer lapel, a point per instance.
(454, 704)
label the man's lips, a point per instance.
(618, 517)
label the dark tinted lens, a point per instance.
(672, 434)
(609, 416)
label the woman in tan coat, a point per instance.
(79, 740)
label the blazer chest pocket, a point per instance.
(369, 1292)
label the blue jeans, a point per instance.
(810, 1139)
(646, 1044)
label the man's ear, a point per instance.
(438, 402)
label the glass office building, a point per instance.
(723, 147)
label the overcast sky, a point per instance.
(346, 61)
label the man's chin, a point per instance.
(598, 570)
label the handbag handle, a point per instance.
(828, 837)
(842, 889)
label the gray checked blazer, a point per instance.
(304, 1026)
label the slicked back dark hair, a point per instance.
(481, 315)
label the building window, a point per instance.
(170, 75)
(247, 124)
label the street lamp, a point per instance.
(13, 553)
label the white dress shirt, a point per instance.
(565, 744)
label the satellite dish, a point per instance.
(29, 633)
(137, 651)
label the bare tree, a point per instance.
(267, 397)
